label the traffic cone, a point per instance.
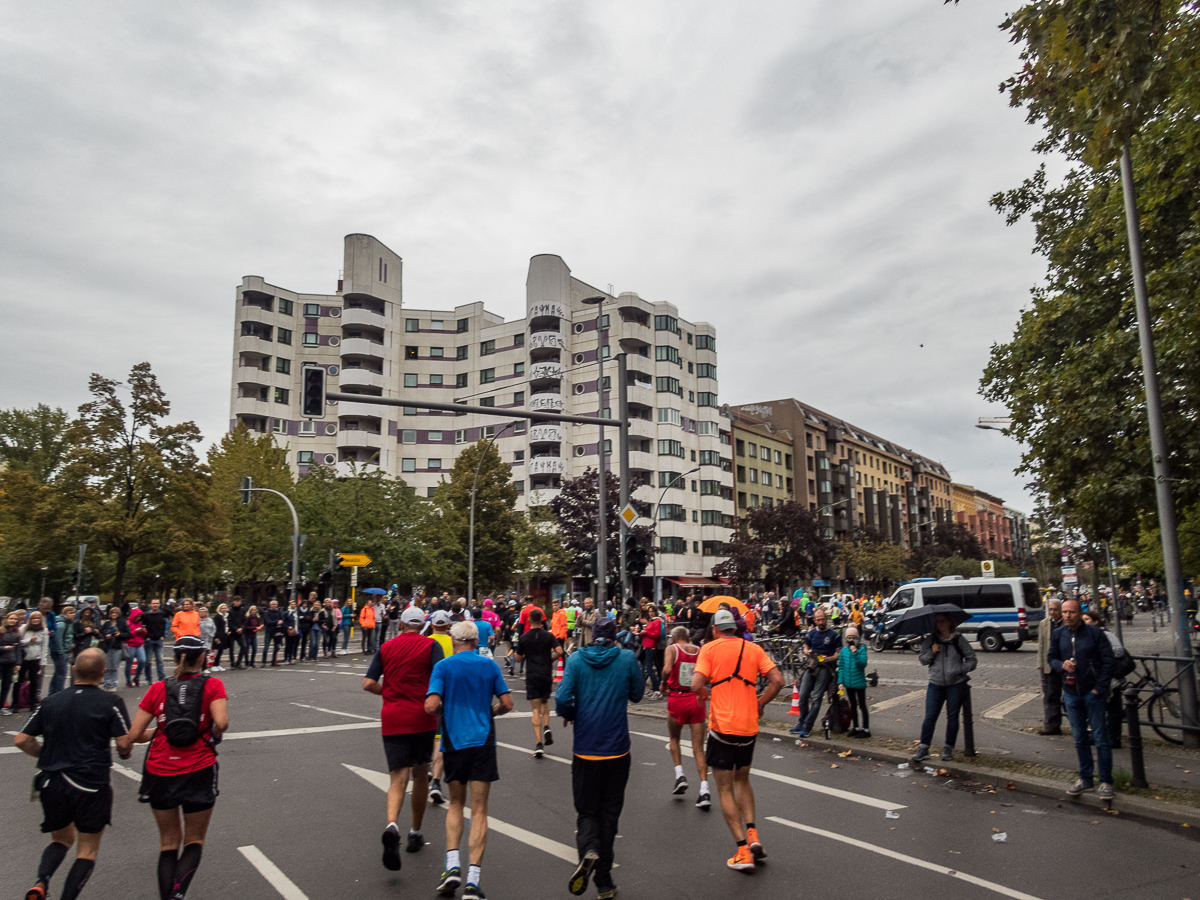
(795, 710)
(558, 672)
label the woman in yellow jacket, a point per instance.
(366, 621)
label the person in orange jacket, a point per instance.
(558, 624)
(186, 621)
(366, 621)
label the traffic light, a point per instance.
(592, 565)
(85, 579)
(635, 555)
(303, 571)
(312, 387)
(75, 577)
(287, 569)
(247, 484)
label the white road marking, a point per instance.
(911, 860)
(796, 782)
(10, 750)
(896, 701)
(334, 712)
(128, 773)
(554, 848)
(268, 870)
(1000, 710)
(288, 732)
(529, 751)
(13, 733)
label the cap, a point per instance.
(724, 620)
(413, 616)
(487, 602)
(440, 617)
(604, 629)
(188, 642)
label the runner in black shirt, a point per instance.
(538, 648)
(73, 770)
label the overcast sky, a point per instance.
(810, 177)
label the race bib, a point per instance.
(686, 670)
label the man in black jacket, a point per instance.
(154, 620)
(1085, 658)
(236, 623)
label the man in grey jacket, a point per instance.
(1052, 681)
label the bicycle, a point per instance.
(1162, 705)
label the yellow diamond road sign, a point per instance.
(629, 514)
(355, 559)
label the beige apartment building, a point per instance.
(762, 465)
(371, 343)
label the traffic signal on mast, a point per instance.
(312, 386)
(635, 555)
(247, 485)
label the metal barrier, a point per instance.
(1133, 702)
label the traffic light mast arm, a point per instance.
(295, 533)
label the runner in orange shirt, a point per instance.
(727, 670)
(186, 621)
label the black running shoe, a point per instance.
(415, 842)
(704, 801)
(451, 879)
(391, 849)
(435, 791)
(681, 785)
(547, 737)
(579, 880)
(538, 751)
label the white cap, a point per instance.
(413, 616)
(440, 617)
(723, 619)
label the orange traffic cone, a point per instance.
(558, 673)
(795, 710)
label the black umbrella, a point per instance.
(920, 619)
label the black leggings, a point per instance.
(858, 699)
(7, 670)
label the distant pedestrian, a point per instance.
(1085, 657)
(35, 648)
(65, 636)
(1052, 709)
(114, 632)
(852, 679)
(950, 660)
(155, 622)
(186, 620)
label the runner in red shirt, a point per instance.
(181, 779)
(399, 674)
(685, 708)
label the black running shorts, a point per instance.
(407, 750)
(730, 751)
(538, 688)
(194, 791)
(471, 764)
(65, 802)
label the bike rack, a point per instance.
(1133, 703)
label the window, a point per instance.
(741, 447)
(410, 379)
(408, 436)
(607, 385)
(434, 464)
(312, 339)
(672, 544)
(670, 448)
(435, 379)
(520, 486)
(283, 366)
(778, 458)
(669, 479)
(412, 325)
(695, 546)
(667, 385)
(518, 397)
(605, 351)
(487, 348)
(710, 458)
(410, 411)
(824, 487)
(808, 438)
(306, 457)
(285, 335)
(460, 436)
(460, 380)
(460, 352)
(286, 307)
(519, 428)
(690, 369)
(604, 322)
(408, 465)
(487, 376)
(712, 517)
(689, 337)
(764, 453)
(742, 499)
(312, 310)
(706, 342)
(281, 395)
(519, 368)
(810, 464)
(707, 398)
(307, 427)
(487, 401)
(410, 352)
(666, 354)
(519, 340)
(691, 396)
(706, 370)
(789, 485)
(488, 431)
(666, 323)
(437, 352)
(519, 456)
(463, 325)
(671, 512)
(669, 415)
(708, 428)
(435, 437)
(280, 426)
(430, 493)
(710, 488)
(754, 476)
(754, 501)
(766, 479)
(812, 487)
(741, 474)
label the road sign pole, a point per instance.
(296, 541)
(79, 577)
(623, 472)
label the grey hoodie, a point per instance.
(952, 663)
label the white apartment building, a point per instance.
(370, 343)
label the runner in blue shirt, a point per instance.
(485, 637)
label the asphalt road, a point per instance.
(301, 811)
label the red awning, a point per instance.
(688, 581)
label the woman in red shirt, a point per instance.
(180, 782)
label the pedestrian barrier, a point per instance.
(1161, 704)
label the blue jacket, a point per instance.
(852, 667)
(1095, 662)
(599, 684)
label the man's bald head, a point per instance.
(89, 666)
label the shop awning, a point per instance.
(698, 581)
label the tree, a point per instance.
(132, 483)
(576, 507)
(948, 540)
(792, 542)
(871, 557)
(745, 556)
(541, 552)
(34, 440)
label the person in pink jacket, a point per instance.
(136, 650)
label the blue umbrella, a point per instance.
(372, 591)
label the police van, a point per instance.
(1004, 611)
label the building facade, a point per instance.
(763, 468)
(370, 343)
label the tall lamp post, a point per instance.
(601, 520)
(471, 526)
(654, 556)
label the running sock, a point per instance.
(392, 826)
(742, 842)
(412, 832)
(451, 860)
(166, 872)
(679, 771)
(189, 862)
(704, 787)
(80, 872)
(473, 875)
(749, 824)
(52, 858)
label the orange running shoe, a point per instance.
(743, 860)
(755, 845)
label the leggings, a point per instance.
(331, 637)
(858, 700)
(290, 645)
(276, 642)
(6, 679)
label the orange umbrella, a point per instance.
(712, 604)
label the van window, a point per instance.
(902, 600)
(971, 596)
(1031, 594)
(947, 593)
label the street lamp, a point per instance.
(471, 527)
(43, 593)
(601, 530)
(654, 556)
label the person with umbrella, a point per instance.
(950, 660)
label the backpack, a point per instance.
(1125, 665)
(182, 708)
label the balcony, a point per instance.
(546, 465)
(250, 406)
(547, 340)
(352, 376)
(547, 402)
(360, 439)
(641, 393)
(347, 409)
(355, 316)
(547, 434)
(642, 428)
(248, 343)
(630, 330)
(545, 371)
(248, 312)
(349, 469)
(363, 347)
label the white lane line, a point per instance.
(527, 750)
(896, 701)
(911, 860)
(288, 732)
(796, 782)
(381, 780)
(128, 773)
(1000, 710)
(554, 848)
(268, 870)
(334, 712)
(13, 733)
(10, 750)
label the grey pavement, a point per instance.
(310, 806)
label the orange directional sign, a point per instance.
(355, 559)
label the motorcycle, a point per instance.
(884, 637)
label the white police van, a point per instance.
(1004, 611)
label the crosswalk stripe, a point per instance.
(1000, 710)
(271, 872)
(896, 701)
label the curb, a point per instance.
(1182, 820)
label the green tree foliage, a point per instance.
(1095, 76)
(870, 557)
(542, 555)
(948, 540)
(789, 540)
(34, 440)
